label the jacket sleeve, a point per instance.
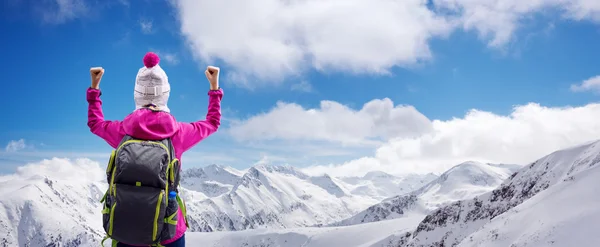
(191, 134)
(110, 131)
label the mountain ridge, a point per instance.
(470, 178)
(450, 225)
(285, 199)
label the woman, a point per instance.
(152, 119)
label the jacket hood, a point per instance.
(150, 125)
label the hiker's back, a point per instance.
(134, 207)
(137, 208)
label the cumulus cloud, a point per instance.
(270, 39)
(333, 122)
(14, 146)
(528, 133)
(591, 84)
(62, 169)
(413, 143)
(498, 20)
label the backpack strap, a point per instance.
(175, 166)
(183, 209)
(177, 177)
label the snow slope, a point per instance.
(369, 234)
(565, 214)
(463, 181)
(530, 207)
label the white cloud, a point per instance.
(61, 11)
(413, 143)
(528, 133)
(376, 120)
(14, 146)
(146, 26)
(591, 84)
(270, 39)
(62, 169)
(38, 154)
(303, 86)
(498, 20)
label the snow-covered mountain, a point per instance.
(463, 181)
(215, 180)
(225, 199)
(565, 214)
(210, 181)
(51, 209)
(41, 207)
(276, 197)
(381, 185)
(550, 202)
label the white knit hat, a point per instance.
(152, 85)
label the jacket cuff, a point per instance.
(215, 92)
(93, 94)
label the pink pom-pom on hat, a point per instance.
(151, 59)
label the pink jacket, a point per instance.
(146, 124)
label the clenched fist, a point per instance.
(96, 74)
(212, 74)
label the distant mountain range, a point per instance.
(463, 181)
(550, 202)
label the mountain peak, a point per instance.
(378, 174)
(214, 167)
(284, 169)
(465, 166)
(472, 173)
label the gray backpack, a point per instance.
(141, 203)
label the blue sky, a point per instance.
(443, 68)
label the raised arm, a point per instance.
(110, 131)
(191, 134)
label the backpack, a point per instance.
(141, 203)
